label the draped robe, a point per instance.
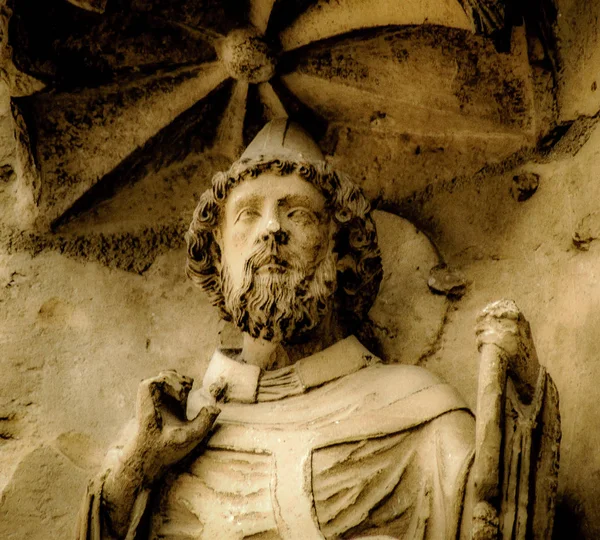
(338, 445)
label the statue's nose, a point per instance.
(273, 224)
(273, 231)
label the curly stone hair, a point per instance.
(359, 260)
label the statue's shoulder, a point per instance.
(401, 379)
(379, 386)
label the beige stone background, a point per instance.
(88, 311)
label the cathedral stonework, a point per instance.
(260, 265)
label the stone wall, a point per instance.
(578, 37)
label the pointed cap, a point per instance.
(282, 138)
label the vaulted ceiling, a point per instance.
(138, 102)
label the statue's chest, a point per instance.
(291, 468)
(223, 494)
(253, 478)
(292, 491)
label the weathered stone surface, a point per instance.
(45, 491)
(524, 251)
(448, 281)
(324, 19)
(164, 197)
(578, 44)
(85, 135)
(132, 251)
(213, 16)
(123, 79)
(488, 16)
(17, 190)
(97, 324)
(420, 80)
(588, 230)
(91, 5)
(408, 318)
(247, 56)
(58, 42)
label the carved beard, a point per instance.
(279, 306)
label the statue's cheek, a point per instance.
(312, 243)
(240, 237)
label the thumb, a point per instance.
(197, 400)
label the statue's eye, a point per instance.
(301, 216)
(247, 214)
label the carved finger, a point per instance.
(197, 400)
(185, 438)
(218, 389)
(200, 426)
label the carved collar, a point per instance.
(249, 384)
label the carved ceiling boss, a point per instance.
(304, 433)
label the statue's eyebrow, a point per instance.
(251, 199)
(254, 200)
(295, 199)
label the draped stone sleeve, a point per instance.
(517, 432)
(93, 522)
(89, 523)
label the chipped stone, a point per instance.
(587, 231)
(524, 186)
(447, 281)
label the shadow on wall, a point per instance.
(570, 521)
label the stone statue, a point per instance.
(303, 433)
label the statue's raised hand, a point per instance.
(159, 438)
(163, 436)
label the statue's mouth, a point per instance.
(273, 265)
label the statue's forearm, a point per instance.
(123, 486)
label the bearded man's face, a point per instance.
(278, 269)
